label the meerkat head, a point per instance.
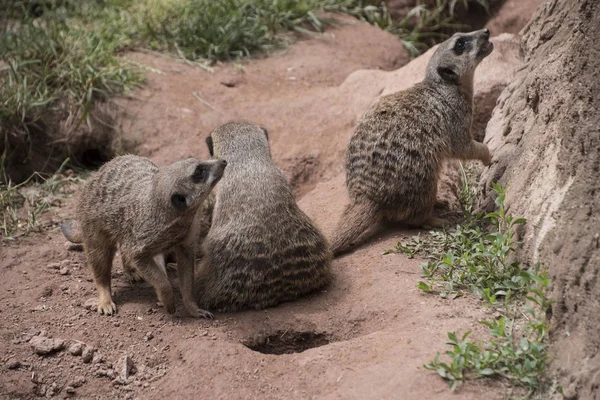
(455, 60)
(184, 185)
(236, 141)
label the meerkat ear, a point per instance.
(448, 74)
(266, 132)
(209, 143)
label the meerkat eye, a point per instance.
(460, 46)
(200, 174)
(179, 202)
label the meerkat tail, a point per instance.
(356, 220)
(72, 233)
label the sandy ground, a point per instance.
(366, 337)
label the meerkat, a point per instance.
(145, 211)
(261, 249)
(397, 149)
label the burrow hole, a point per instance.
(288, 342)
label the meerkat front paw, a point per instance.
(196, 312)
(107, 307)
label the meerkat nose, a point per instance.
(486, 32)
(223, 162)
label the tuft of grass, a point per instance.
(478, 256)
(227, 29)
(22, 205)
(54, 69)
(515, 352)
(421, 28)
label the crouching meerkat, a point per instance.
(261, 249)
(396, 153)
(145, 211)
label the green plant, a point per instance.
(54, 69)
(22, 205)
(516, 352)
(422, 27)
(477, 256)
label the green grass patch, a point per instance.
(54, 68)
(515, 351)
(478, 256)
(423, 26)
(22, 205)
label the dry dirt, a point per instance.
(371, 331)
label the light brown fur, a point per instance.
(261, 249)
(145, 212)
(395, 155)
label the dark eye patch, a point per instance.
(460, 45)
(179, 202)
(201, 173)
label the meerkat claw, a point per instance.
(107, 309)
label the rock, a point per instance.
(44, 345)
(91, 304)
(52, 390)
(78, 381)
(70, 390)
(64, 271)
(149, 336)
(101, 373)
(54, 265)
(46, 292)
(124, 367)
(87, 354)
(76, 349)
(12, 363)
(98, 358)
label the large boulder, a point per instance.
(545, 139)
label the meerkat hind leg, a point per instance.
(155, 276)
(100, 259)
(185, 271)
(130, 273)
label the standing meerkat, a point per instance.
(146, 212)
(261, 249)
(396, 153)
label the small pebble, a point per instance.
(54, 265)
(98, 358)
(78, 381)
(76, 349)
(87, 354)
(64, 271)
(43, 345)
(91, 304)
(13, 364)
